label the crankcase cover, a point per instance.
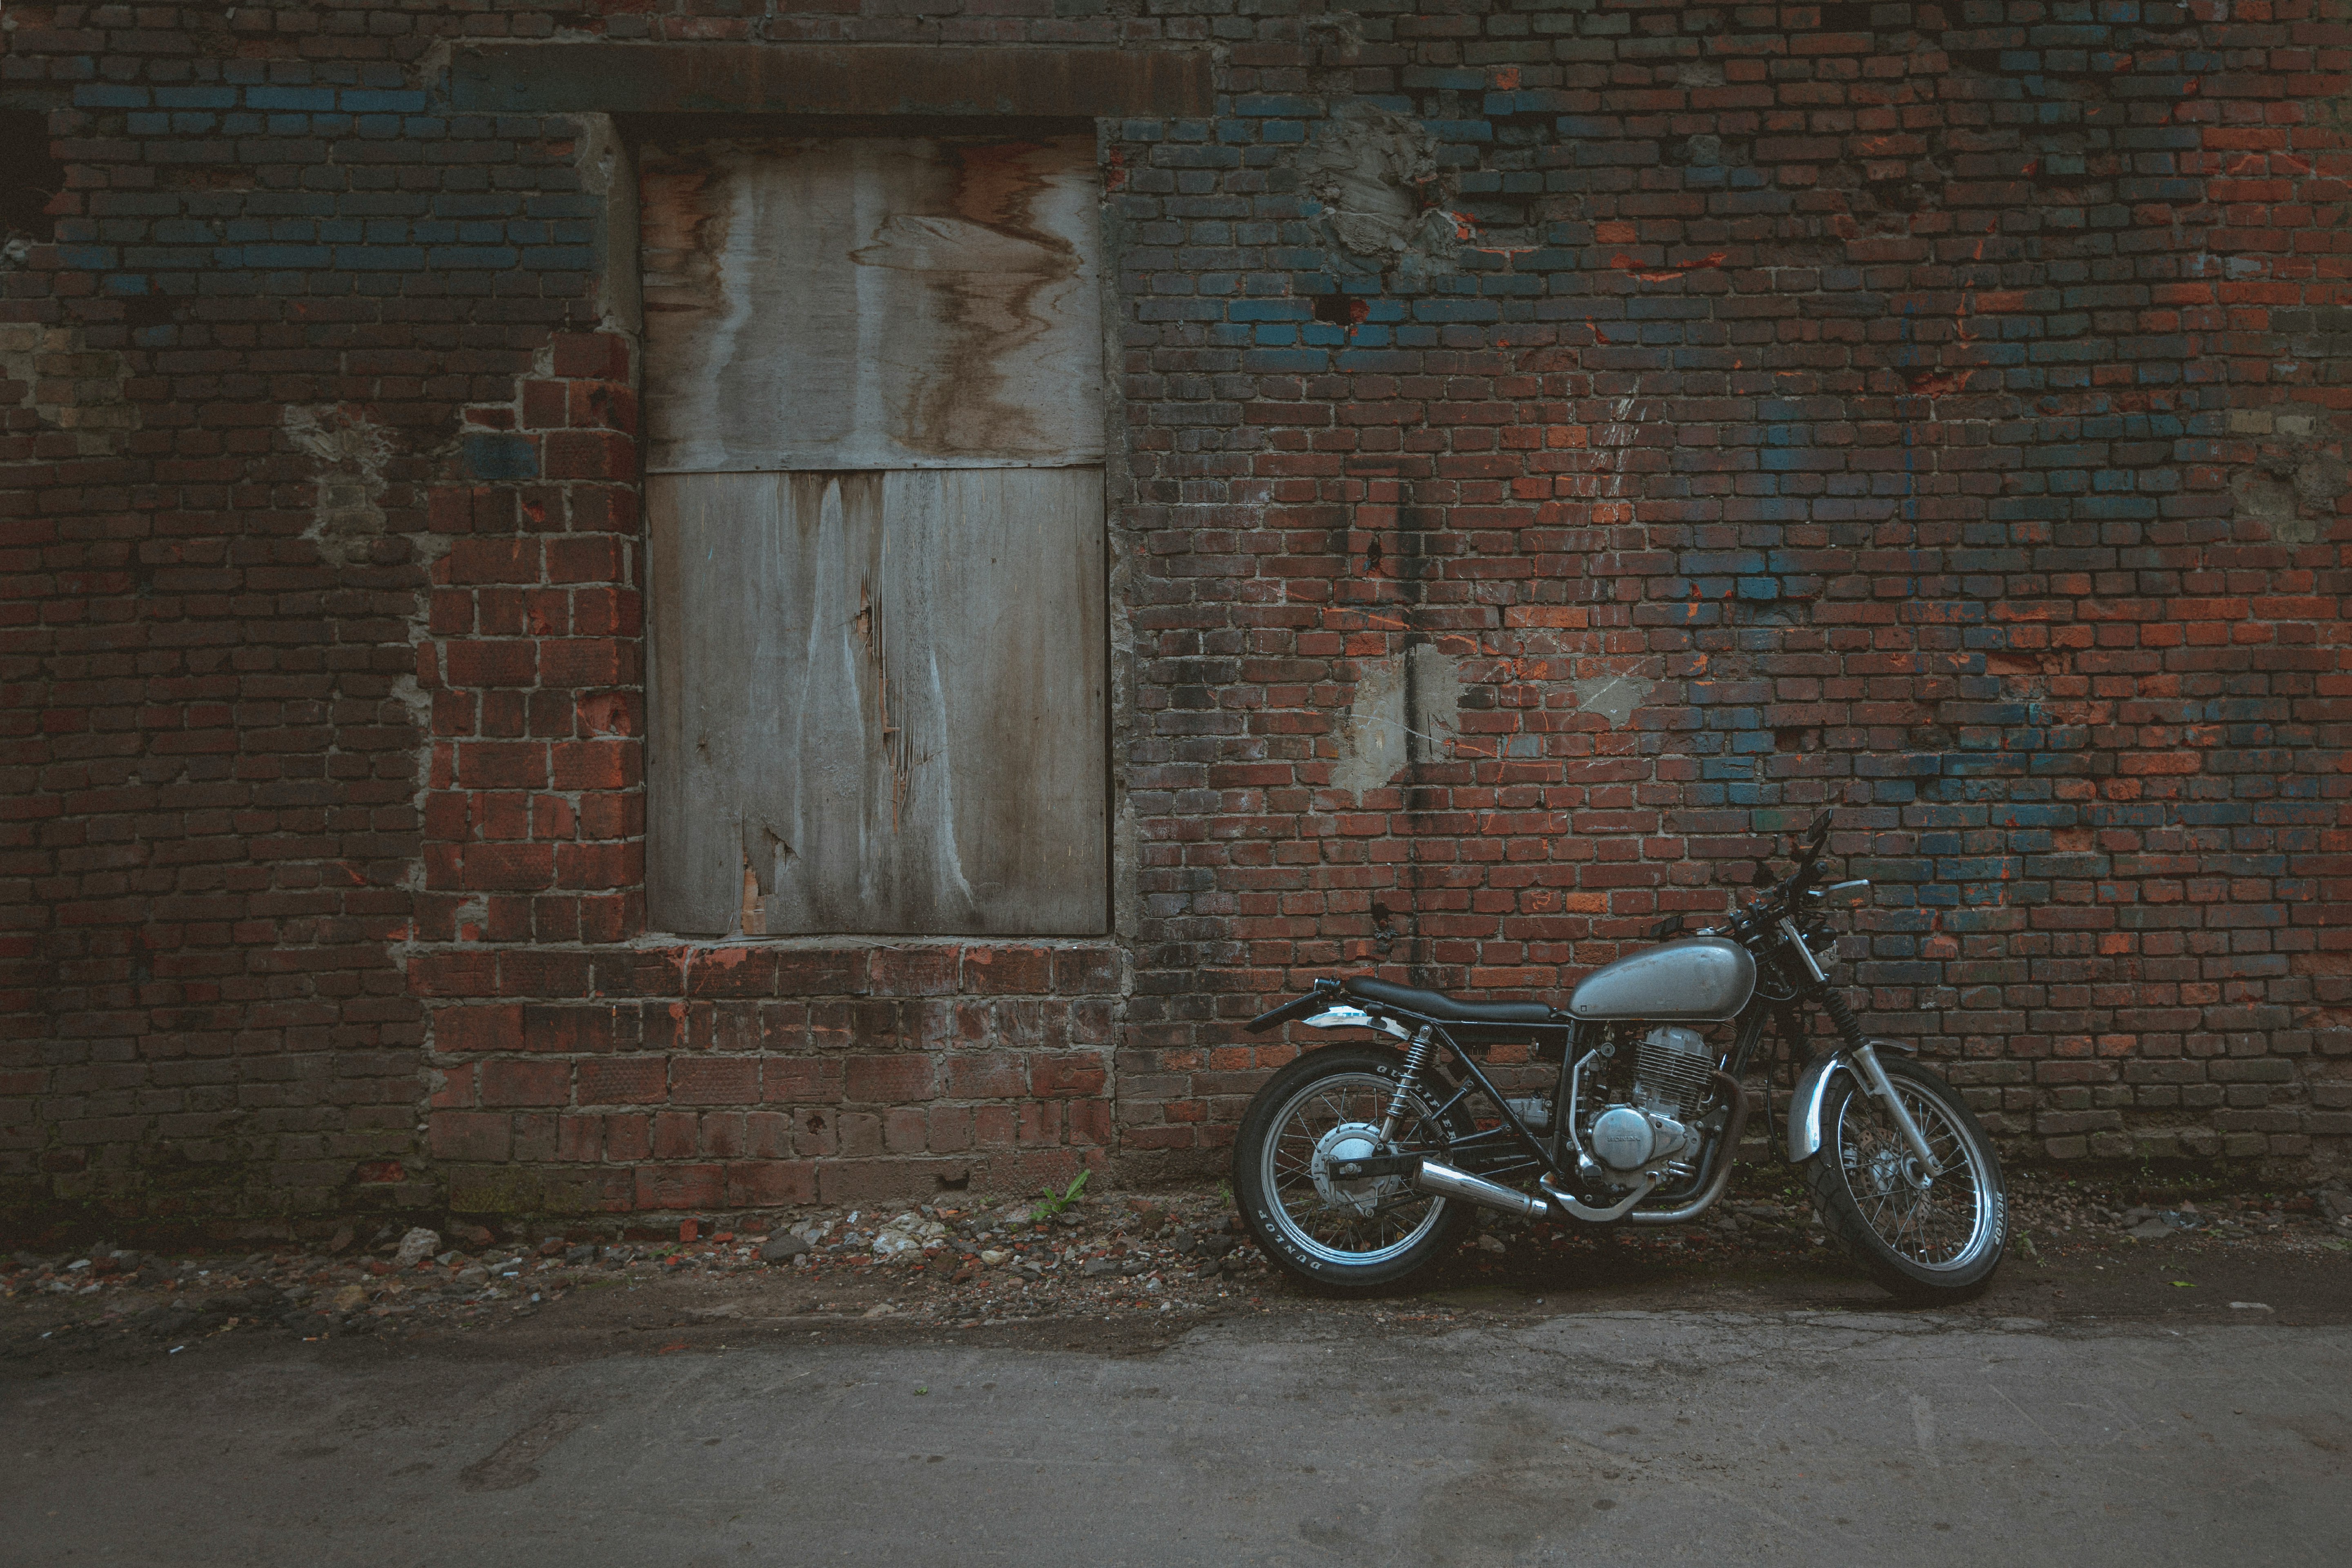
(1621, 1136)
(1700, 977)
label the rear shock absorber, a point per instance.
(1416, 1057)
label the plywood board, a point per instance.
(879, 696)
(872, 303)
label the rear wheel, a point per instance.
(1924, 1238)
(1299, 1131)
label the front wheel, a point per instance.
(1310, 1119)
(1925, 1238)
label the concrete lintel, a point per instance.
(848, 79)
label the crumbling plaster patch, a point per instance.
(1407, 708)
(2292, 486)
(1375, 176)
(68, 386)
(1614, 696)
(351, 452)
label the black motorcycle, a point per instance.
(1358, 1163)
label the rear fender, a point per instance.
(1345, 1017)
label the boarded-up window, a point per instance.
(874, 400)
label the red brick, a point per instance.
(594, 765)
(628, 1139)
(915, 971)
(593, 559)
(889, 1079)
(454, 974)
(627, 1080)
(576, 1030)
(526, 1083)
(720, 1080)
(676, 1135)
(820, 973)
(454, 1087)
(677, 1187)
(481, 1028)
(807, 1079)
(732, 971)
(771, 1134)
(590, 356)
(507, 868)
(577, 661)
(475, 560)
(991, 1076)
(1081, 970)
(468, 1136)
(1007, 971)
(1067, 1073)
(770, 1183)
(489, 764)
(492, 664)
(599, 866)
(724, 1136)
(580, 1138)
(588, 455)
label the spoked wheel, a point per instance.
(1304, 1126)
(1926, 1237)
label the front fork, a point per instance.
(1856, 1053)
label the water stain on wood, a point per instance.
(877, 594)
(877, 702)
(877, 302)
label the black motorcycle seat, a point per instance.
(1447, 1009)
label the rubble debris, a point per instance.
(415, 1247)
(960, 1263)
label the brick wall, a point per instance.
(1928, 410)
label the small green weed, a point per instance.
(1052, 1203)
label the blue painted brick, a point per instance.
(501, 457)
(195, 97)
(289, 98)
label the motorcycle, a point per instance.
(1358, 1164)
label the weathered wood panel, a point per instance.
(879, 696)
(872, 303)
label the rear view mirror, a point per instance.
(1843, 895)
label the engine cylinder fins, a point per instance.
(1671, 1070)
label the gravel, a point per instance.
(966, 1262)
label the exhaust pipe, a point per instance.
(1726, 1151)
(1445, 1181)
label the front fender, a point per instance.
(1805, 1105)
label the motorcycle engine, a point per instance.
(1670, 1074)
(1629, 1140)
(1670, 1071)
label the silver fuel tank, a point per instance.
(1697, 978)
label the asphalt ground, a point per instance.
(1588, 1398)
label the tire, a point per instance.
(1377, 1231)
(1863, 1184)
